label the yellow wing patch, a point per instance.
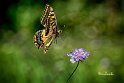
(45, 37)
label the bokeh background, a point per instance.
(95, 25)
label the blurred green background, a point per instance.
(95, 25)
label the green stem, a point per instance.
(73, 72)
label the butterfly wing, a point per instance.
(45, 18)
(45, 15)
(50, 37)
(53, 21)
(51, 27)
(49, 19)
(38, 38)
(48, 42)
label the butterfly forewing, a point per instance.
(53, 21)
(45, 15)
(49, 19)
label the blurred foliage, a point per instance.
(95, 25)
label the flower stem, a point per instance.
(73, 72)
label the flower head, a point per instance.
(78, 55)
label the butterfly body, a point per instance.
(45, 37)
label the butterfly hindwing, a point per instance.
(38, 38)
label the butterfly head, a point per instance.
(59, 32)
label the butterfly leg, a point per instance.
(55, 41)
(45, 49)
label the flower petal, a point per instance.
(80, 49)
(70, 54)
(76, 50)
(82, 57)
(72, 60)
(86, 54)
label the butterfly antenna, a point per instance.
(73, 72)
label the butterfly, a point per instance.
(45, 37)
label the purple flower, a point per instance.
(78, 55)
